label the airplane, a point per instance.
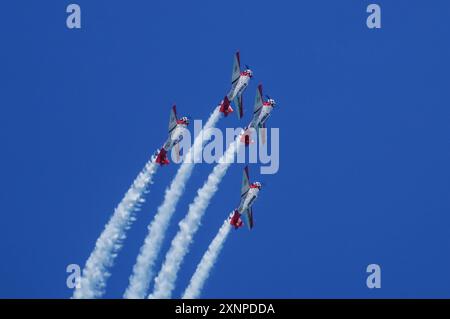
(239, 82)
(249, 193)
(176, 128)
(261, 112)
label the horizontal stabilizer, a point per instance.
(161, 158)
(235, 220)
(225, 106)
(246, 138)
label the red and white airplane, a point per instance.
(261, 112)
(239, 82)
(249, 193)
(176, 129)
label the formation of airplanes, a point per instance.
(240, 79)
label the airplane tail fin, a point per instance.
(246, 138)
(235, 220)
(238, 224)
(225, 106)
(161, 158)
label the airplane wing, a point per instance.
(236, 68)
(239, 102)
(258, 101)
(245, 183)
(173, 119)
(249, 217)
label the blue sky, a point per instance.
(364, 155)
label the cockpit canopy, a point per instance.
(271, 102)
(257, 184)
(184, 120)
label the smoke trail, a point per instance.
(95, 272)
(165, 281)
(143, 269)
(203, 270)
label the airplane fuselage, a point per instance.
(262, 117)
(248, 200)
(239, 87)
(175, 136)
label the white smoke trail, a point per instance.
(203, 270)
(143, 269)
(95, 272)
(165, 281)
